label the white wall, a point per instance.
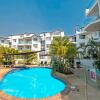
(85, 62)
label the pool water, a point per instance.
(31, 83)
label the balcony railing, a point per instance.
(91, 19)
(90, 3)
(29, 42)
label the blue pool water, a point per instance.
(31, 83)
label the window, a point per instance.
(48, 45)
(28, 47)
(41, 62)
(42, 42)
(20, 48)
(35, 39)
(43, 48)
(14, 40)
(35, 45)
(82, 36)
(48, 38)
(74, 39)
(42, 57)
(95, 34)
(45, 62)
(99, 34)
(20, 41)
(2, 41)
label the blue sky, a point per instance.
(19, 16)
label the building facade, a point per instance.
(4, 42)
(72, 39)
(90, 31)
(35, 42)
(46, 39)
(91, 28)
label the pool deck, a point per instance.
(92, 93)
(3, 71)
(89, 93)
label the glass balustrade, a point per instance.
(90, 3)
(25, 42)
(91, 19)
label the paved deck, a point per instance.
(3, 71)
(92, 93)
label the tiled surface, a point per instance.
(7, 97)
(3, 71)
(89, 93)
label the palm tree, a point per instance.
(29, 57)
(3, 54)
(62, 49)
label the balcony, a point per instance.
(25, 42)
(92, 24)
(92, 8)
(82, 32)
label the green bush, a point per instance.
(97, 64)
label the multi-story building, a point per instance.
(72, 39)
(80, 38)
(4, 41)
(26, 41)
(91, 29)
(93, 20)
(35, 42)
(46, 39)
(93, 14)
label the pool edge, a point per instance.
(59, 95)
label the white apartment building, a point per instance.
(93, 13)
(46, 39)
(72, 39)
(35, 42)
(26, 41)
(92, 28)
(80, 38)
(4, 41)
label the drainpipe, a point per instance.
(99, 6)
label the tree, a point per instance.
(4, 51)
(92, 49)
(28, 58)
(62, 49)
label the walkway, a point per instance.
(92, 93)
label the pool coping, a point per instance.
(60, 94)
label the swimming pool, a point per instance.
(31, 83)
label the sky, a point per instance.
(20, 16)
